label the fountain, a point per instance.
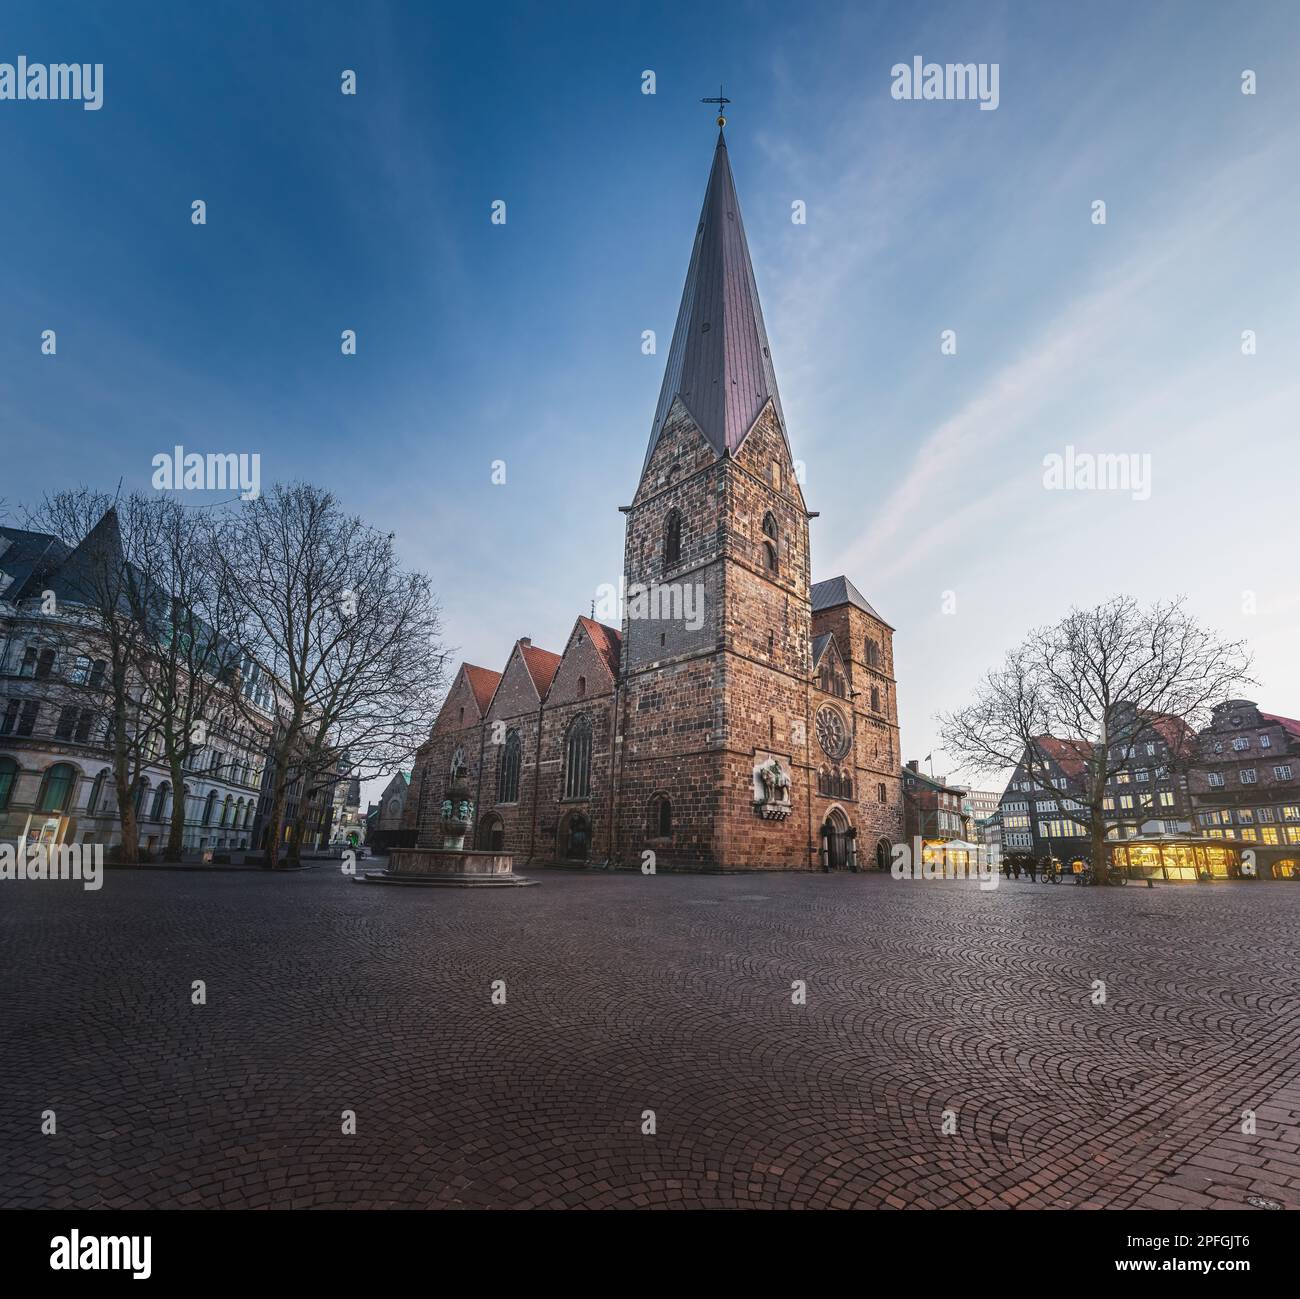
(453, 865)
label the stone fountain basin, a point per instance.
(449, 867)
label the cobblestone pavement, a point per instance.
(628, 993)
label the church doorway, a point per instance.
(837, 842)
(575, 837)
(884, 855)
(491, 834)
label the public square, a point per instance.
(624, 994)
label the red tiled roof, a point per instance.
(483, 682)
(541, 665)
(1287, 723)
(1070, 755)
(607, 642)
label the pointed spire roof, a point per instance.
(719, 364)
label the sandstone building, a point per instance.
(742, 716)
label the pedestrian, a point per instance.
(1006, 867)
(1032, 867)
(1016, 868)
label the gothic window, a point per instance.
(577, 759)
(56, 788)
(508, 773)
(673, 539)
(769, 542)
(457, 760)
(875, 699)
(660, 820)
(582, 687)
(873, 654)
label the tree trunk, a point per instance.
(1100, 853)
(275, 825)
(176, 832)
(130, 849)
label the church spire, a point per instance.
(719, 364)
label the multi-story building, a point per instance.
(1246, 780)
(742, 716)
(935, 810)
(56, 782)
(1043, 809)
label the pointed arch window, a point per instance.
(577, 759)
(660, 819)
(770, 539)
(873, 654)
(673, 538)
(508, 772)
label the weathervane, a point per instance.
(720, 100)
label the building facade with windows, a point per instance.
(936, 812)
(1043, 809)
(741, 716)
(1246, 781)
(56, 782)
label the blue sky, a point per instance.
(522, 342)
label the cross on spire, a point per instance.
(720, 99)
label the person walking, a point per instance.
(1032, 867)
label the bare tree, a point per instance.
(350, 639)
(193, 615)
(1100, 681)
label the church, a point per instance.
(741, 716)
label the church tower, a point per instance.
(716, 654)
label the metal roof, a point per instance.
(839, 590)
(719, 363)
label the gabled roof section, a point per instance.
(839, 590)
(483, 682)
(1070, 755)
(819, 646)
(541, 665)
(1288, 724)
(607, 641)
(719, 364)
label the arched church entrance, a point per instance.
(575, 837)
(491, 834)
(884, 855)
(837, 842)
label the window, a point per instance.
(508, 772)
(56, 788)
(8, 775)
(875, 699)
(160, 801)
(96, 793)
(1247, 775)
(1241, 742)
(28, 668)
(45, 664)
(880, 792)
(67, 722)
(661, 817)
(673, 539)
(208, 806)
(1265, 741)
(582, 687)
(769, 542)
(873, 654)
(1283, 772)
(577, 759)
(1215, 778)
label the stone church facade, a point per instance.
(741, 717)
